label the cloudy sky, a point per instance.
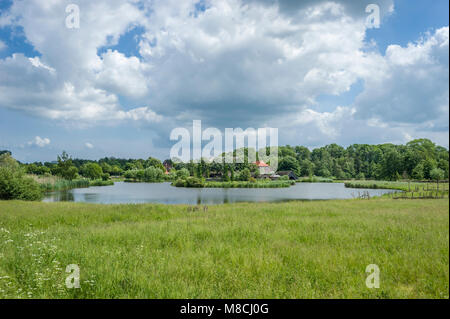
(136, 69)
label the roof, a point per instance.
(261, 164)
(285, 172)
(291, 174)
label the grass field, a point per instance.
(399, 185)
(280, 250)
(410, 190)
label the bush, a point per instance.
(100, 182)
(153, 174)
(182, 173)
(131, 174)
(180, 183)
(148, 175)
(194, 182)
(245, 175)
(15, 185)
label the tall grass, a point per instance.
(243, 184)
(315, 179)
(402, 186)
(99, 182)
(411, 190)
(255, 250)
(53, 183)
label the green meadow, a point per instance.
(297, 249)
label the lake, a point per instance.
(123, 193)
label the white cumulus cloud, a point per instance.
(234, 63)
(40, 142)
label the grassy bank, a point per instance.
(99, 182)
(193, 182)
(402, 186)
(284, 250)
(257, 184)
(315, 179)
(409, 189)
(54, 183)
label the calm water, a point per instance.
(166, 194)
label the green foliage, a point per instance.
(63, 184)
(65, 167)
(149, 175)
(101, 182)
(437, 174)
(156, 163)
(13, 182)
(226, 176)
(180, 183)
(417, 172)
(153, 174)
(315, 179)
(195, 182)
(414, 160)
(7, 161)
(182, 173)
(245, 175)
(246, 250)
(252, 183)
(37, 169)
(92, 171)
(289, 163)
(191, 182)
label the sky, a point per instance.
(135, 70)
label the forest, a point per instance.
(414, 160)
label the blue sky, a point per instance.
(134, 71)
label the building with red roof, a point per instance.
(264, 169)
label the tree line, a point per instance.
(414, 160)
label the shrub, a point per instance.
(15, 185)
(245, 175)
(131, 174)
(92, 171)
(194, 182)
(180, 183)
(182, 173)
(100, 182)
(152, 175)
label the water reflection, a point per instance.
(166, 194)
(62, 196)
